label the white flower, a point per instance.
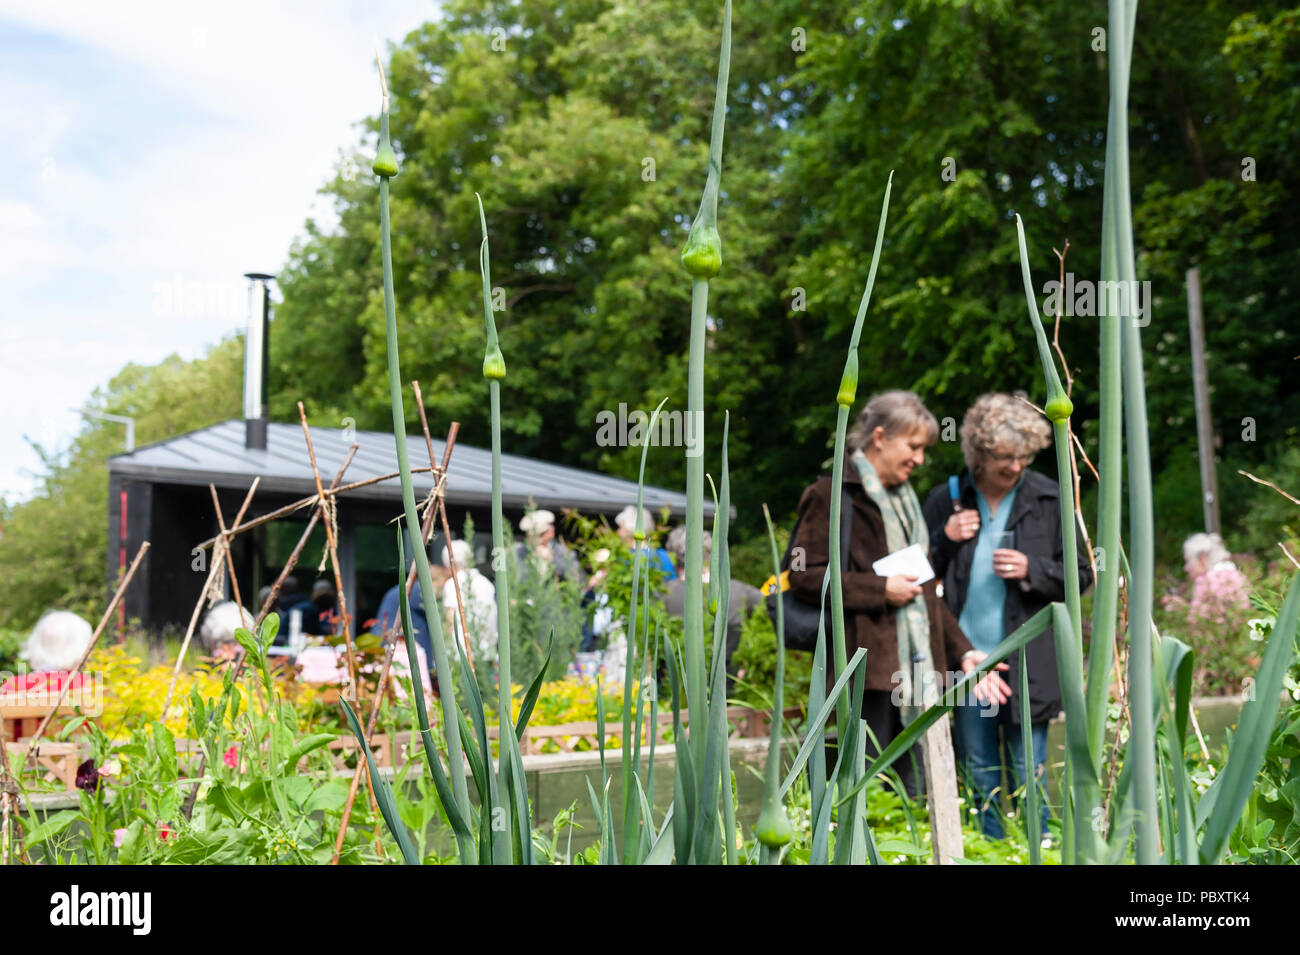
(1257, 628)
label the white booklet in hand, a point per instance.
(910, 560)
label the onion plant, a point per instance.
(385, 167)
(702, 259)
(1151, 805)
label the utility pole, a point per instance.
(1201, 386)
(121, 531)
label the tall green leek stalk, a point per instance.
(1085, 793)
(386, 167)
(845, 398)
(702, 259)
(510, 784)
(1141, 525)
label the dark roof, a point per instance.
(217, 455)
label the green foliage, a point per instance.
(1267, 517)
(755, 659)
(1268, 832)
(11, 644)
(539, 605)
(901, 828)
(53, 550)
(252, 807)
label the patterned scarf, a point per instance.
(904, 526)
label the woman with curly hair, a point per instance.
(995, 541)
(911, 637)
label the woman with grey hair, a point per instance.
(625, 524)
(53, 649)
(1203, 553)
(219, 626)
(912, 639)
(57, 642)
(995, 540)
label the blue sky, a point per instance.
(155, 152)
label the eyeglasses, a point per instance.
(1024, 459)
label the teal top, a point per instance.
(986, 593)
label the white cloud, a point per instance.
(158, 145)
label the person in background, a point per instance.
(1219, 589)
(479, 596)
(54, 647)
(912, 639)
(998, 550)
(596, 603)
(281, 633)
(218, 630)
(389, 615)
(548, 552)
(742, 598)
(292, 598)
(625, 525)
(325, 600)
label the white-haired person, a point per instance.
(218, 631)
(548, 552)
(996, 543)
(479, 597)
(1219, 589)
(53, 649)
(625, 526)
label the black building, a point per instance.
(159, 493)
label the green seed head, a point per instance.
(494, 365)
(774, 829)
(1059, 408)
(702, 256)
(638, 536)
(385, 162)
(848, 392)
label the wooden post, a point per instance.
(941, 793)
(1201, 387)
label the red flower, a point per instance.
(231, 757)
(165, 832)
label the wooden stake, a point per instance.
(941, 793)
(1201, 393)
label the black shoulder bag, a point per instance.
(801, 619)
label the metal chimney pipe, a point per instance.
(257, 360)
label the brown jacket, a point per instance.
(868, 620)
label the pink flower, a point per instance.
(1218, 593)
(231, 757)
(119, 837)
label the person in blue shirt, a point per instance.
(625, 524)
(388, 617)
(996, 543)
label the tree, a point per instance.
(54, 546)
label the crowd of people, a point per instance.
(994, 556)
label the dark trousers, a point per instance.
(885, 721)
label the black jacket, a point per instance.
(1036, 519)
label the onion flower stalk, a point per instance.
(385, 167)
(702, 259)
